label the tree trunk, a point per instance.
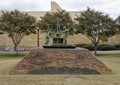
(15, 49)
(95, 45)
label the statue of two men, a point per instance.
(61, 34)
(48, 36)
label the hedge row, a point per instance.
(101, 47)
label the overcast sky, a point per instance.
(111, 7)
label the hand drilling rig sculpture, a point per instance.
(59, 36)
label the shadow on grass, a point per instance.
(109, 55)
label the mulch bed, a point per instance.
(52, 61)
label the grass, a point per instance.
(8, 61)
(110, 56)
(11, 56)
(6, 64)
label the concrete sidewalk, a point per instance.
(13, 52)
(25, 52)
(108, 52)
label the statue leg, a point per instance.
(47, 41)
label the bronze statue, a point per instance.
(59, 37)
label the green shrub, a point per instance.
(101, 47)
(117, 46)
(87, 46)
(106, 47)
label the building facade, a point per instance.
(31, 40)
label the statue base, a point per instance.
(60, 46)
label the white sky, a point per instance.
(111, 7)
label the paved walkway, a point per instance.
(25, 52)
(107, 52)
(13, 52)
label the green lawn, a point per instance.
(11, 56)
(8, 62)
